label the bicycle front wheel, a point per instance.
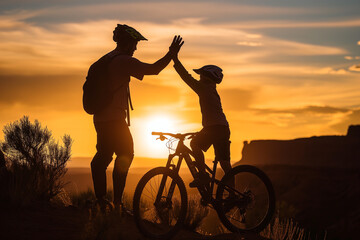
(160, 203)
(246, 199)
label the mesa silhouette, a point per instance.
(316, 180)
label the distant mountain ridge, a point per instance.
(318, 151)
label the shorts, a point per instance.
(218, 136)
(114, 137)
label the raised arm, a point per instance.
(183, 73)
(159, 65)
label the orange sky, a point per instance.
(288, 71)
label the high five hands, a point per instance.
(175, 46)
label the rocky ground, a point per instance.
(45, 222)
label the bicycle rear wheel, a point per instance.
(246, 199)
(160, 203)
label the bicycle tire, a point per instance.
(147, 215)
(259, 218)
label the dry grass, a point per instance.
(287, 229)
(195, 213)
(104, 225)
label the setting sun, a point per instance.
(161, 123)
(148, 143)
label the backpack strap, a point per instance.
(128, 103)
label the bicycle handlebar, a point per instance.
(177, 135)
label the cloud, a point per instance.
(306, 109)
(250, 44)
(64, 93)
(303, 49)
(278, 84)
(352, 57)
(163, 11)
(57, 42)
(299, 122)
(353, 118)
(355, 68)
(330, 70)
(232, 99)
(243, 16)
(145, 95)
(54, 92)
(72, 46)
(15, 19)
(237, 99)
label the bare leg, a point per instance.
(199, 157)
(226, 166)
(121, 168)
(99, 165)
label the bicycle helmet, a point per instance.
(124, 32)
(211, 71)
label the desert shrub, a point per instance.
(35, 162)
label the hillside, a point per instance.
(44, 222)
(316, 180)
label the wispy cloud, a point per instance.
(306, 109)
(276, 83)
(298, 24)
(329, 70)
(164, 12)
(352, 57)
(250, 43)
(355, 68)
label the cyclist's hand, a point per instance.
(162, 138)
(175, 46)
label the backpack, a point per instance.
(97, 93)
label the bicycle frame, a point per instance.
(232, 201)
(184, 153)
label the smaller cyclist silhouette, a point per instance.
(215, 129)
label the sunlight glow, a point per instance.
(160, 123)
(150, 146)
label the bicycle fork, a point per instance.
(170, 167)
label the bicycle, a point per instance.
(244, 199)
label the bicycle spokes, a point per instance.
(245, 199)
(249, 205)
(160, 204)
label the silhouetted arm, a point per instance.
(158, 66)
(128, 65)
(183, 73)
